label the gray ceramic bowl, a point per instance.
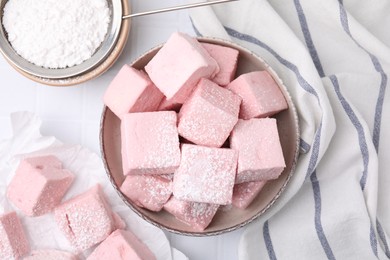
(224, 220)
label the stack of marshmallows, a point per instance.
(193, 136)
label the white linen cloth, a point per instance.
(334, 58)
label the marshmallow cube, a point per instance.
(245, 193)
(209, 115)
(261, 96)
(132, 91)
(13, 240)
(195, 214)
(167, 105)
(179, 65)
(51, 254)
(86, 219)
(260, 155)
(39, 185)
(205, 174)
(150, 143)
(122, 244)
(226, 58)
(147, 191)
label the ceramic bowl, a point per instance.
(224, 220)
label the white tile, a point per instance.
(60, 103)
(5, 128)
(90, 136)
(196, 247)
(67, 131)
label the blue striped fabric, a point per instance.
(335, 64)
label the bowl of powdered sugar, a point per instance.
(62, 42)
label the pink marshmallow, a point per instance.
(150, 143)
(209, 115)
(51, 254)
(179, 65)
(86, 219)
(260, 155)
(245, 193)
(261, 96)
(226, 58)
(13, 240)
(147, 191)
(205, 174)
(195, 214)
(122, 244)
(39, 185)
(132, 91)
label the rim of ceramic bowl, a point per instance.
(102, 60)
(255, 216)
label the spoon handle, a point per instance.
(174, 8)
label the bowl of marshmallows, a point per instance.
(199, 136)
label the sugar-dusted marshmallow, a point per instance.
(132, 91)
(260, 152)
(245, 193)
(261, 96)
(39, 185)
(86, 219)
(150, 143)
(209, 115)
(122, 244)
(147, 191)
(51, 254)
(13, 240)
(205, 174)
(226, 58)
(179, 65)
(195, 214)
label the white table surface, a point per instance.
(72, 114)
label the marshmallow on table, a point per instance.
(150, 143)
(195, 214)
(86, 219)
(122, 244)
(260, 155)
(209, 114)
(205, 174)
(39, 185)
(245, 193)
(51, 254)
(179, 65)
(261, 96)
(13, 240)
(132, 91)
(147, 191)
(226, 58)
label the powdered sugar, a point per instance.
(56, 34)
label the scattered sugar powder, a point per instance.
(56, 34)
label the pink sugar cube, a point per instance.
(122, 244)
(13, 240)
(260, 155)
(147, 191)
(245, 193)
(226, 58)
(209, 115)
(261, 96)
(195, 214)
(132, 91)
(179, 65)
(39, 185)
(205, 174)
(86, 219)
(51, 254)
(150, 143)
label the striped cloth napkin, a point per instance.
(334, 57)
